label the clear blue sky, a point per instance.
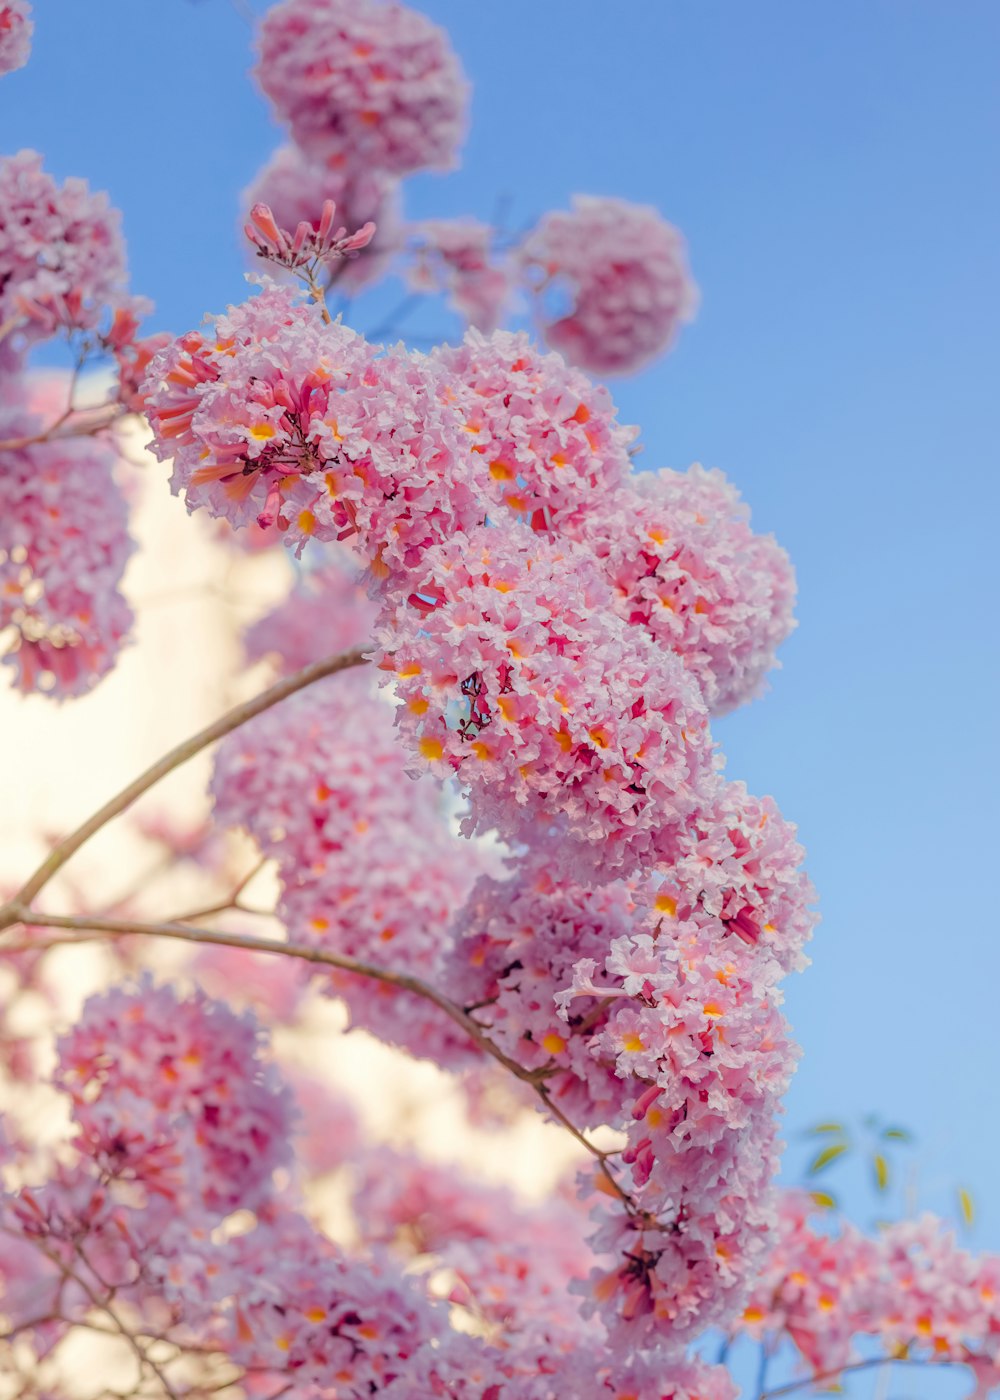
(833, 167)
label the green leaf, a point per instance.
(826, 1128)
(966, 1206)
(826, 1200)
(824, 1158)
(897, 1135)
(881, 1171)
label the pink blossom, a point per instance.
(548, 436)
(520, 943)
(296, 188)
(63, 549)
(62, 258)
(192, 1065)
(376, 79)
(679, 552)
(515, 676)
(312, 775)
(326, 612)
(15, 34)
(280, 417)
(625, 273)
(455, 256)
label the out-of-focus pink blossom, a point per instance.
(455, 256)
(326, 612)
(62, 258)
(64, 545)
(192, 1064)
(376, 79)
(624, 272)
(15, 34)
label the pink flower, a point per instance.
(515, 676)
(455, 256)
(624, 271)
(376, 79)
(679, 552)
(296, 188)
(326, 612)
(739, 864)
(15, 34)
(63, 546)
(62, 258)
(280, 417)
(192, 1065)
(547, 436)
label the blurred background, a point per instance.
(832, 169)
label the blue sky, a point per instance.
(832, 167)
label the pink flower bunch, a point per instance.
(326, 612)
(740, 867)
(387, 900)
(281, 417)
(679, 552)
(694, 1034)
(288, 1305)
(548, 436)
(462, 1367)
(64, 545)
(62, 258)
(368, 866)
(15, 34)
(243, 412)
(514, 675)
(311, 776)
(517, 945)
(147, 1071)
(911, 1287)
(373, 78)
(455, 256)
(624, 270)
(509, 1264)
(296, 188)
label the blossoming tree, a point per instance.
(485, 780)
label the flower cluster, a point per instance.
(910, 1286)
(368, 866)
(454, 256)
(624, 271)
(280, 417)
(549, 437)
(15, 34)
(679, 552)
(514, 674)
(327, 612)
(153, 1078)
(370, 77)
(63, 549)
(62, 258)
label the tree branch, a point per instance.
(15, 910)
(405, 981)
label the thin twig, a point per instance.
(865, 1365)
(17, 911)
